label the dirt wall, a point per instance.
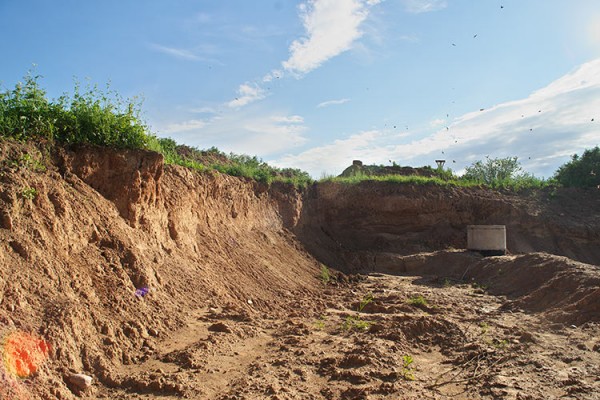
(82, 229)
(347, 225)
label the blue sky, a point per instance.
(315, 84)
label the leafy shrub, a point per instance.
(581, 171)
(325, 275)
(418, 301)
(493, 170)
(103, 118)
(92, 117)
(501, 173)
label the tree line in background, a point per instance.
(104, 118)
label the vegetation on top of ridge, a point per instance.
(106, 119)
(496, 173)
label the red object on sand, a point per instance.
(24, 353)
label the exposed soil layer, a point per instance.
(346, 225)
(160, 282)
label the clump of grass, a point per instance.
(25, 161)
(418, 301)
(368, 298)
(29, 193)
(325, 275)
(485, 327)
(355, 321)
(320, 323)
(447, 178)
(92, 116)
(400, 179)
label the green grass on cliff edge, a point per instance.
(103, 118)
(514, 184)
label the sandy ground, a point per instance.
(414, 338)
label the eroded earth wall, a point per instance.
(347, 226)
(82, 229)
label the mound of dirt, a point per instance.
(160, 282)
(558, 288)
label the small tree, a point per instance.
(581, 171)
(495, 170)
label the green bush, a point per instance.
(501, 173)
(103, 118)
(581, 171)
(93, 117)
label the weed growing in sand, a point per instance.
(325, 276)
(418, 301)
(355, 322)
(29, 193)
(25, 161)
(446, 283)
(407, 368)
(320, 323)
(500, 344)
(485, 327)
(366, 300)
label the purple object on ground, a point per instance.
(141, 292)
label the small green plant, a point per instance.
(27, 161)
(325, 276)
(355, 322)
(320, 323)
(484, 327)
(366, 300)
(418, 301)
(446, 283)
(407, 368)
(500, 344)
(476, 285)
(29, 193)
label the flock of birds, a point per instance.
(481, 109)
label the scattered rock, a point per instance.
(220, 327)
(80, 381)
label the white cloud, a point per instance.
(422, 6)
(275, 74)
(437, 122)
(332, 102)
(331, 26)
(543, 130)
(292, 119)
(178, 53)
(247, 93)
(191, 125)
(204, 110)
(242, 132)
(334, 157)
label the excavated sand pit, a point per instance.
(158, 282)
